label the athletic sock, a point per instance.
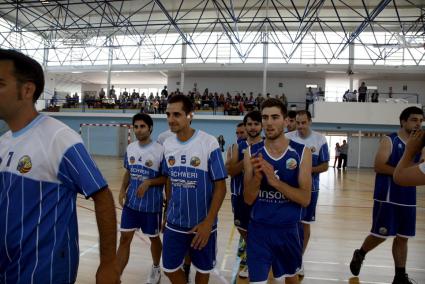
(400, 271)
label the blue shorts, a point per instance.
(277, 247)
(241, 212)
(309, 213)
(176, 245)
(390, 220)
(148, 223)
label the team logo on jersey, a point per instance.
(195, 161)
(313, 149)
(24, 164)
(171, 160)
(400, 146)
(237, 222)
(383, 231)
(291, 164)
(148, 163)
(132, 160)
(183, 159)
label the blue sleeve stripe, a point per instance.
(87, 168)
(65, 176)
(74, 168)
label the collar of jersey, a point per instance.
(33, 123)
(190, 139)
(146, 145)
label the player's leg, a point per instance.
(129, 224)
(382, 228)
(406, 219)
(204, 260)
(175, 247)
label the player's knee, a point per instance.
(400, 240)
(155, 240)
(125, 239)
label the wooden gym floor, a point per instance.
(343, 221)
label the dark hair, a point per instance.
(292, 114)
(304, 112)
(25, 70)
(240, 124)
(273, 102)
(185, 100)
(409, 111)
(255, 115)
(146, 119)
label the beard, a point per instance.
(255, 135)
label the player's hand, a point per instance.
(121, 198)
(143, 188)
(415, 142)
(107, 273)
(268, 171)
(202, 234)
(256, 167)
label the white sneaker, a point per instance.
(154, 276)
(300, 272)
(243, 272)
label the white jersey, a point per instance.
(144, 162)
(193, 167)
(42, 168)
(164, 135)
(318, 145)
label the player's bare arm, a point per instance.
(106, 222)
(382, 156)
(233, 166)
(148, 183)
(252, 178)
(124, 187)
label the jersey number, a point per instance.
(9, 159)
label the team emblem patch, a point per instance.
(171, 160)
(291, 164)
(148, 163)
(313, 149)
(132, 160)
(383, 231)
(195, 161)
(237, 222)
(24, 164)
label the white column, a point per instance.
(359, 150)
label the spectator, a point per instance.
(308, 98)
(362, 92)
(337, 153)
(221, 142)
(343, 151)
(101, 94)
(390, 92)
(374, 96)
(164, 92)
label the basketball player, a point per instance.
(292, 123)
(394, 208)
(195, 191)
(234, 166)
(277, 182)
(141, 194)
(43, 165)
(318, 146)
(240, 132)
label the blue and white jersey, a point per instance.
(144, 162)
(385, 187)
(193, 167)
(236, 182)
(42, 168)
(271, 206)
(319, 151)
(164, 135)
